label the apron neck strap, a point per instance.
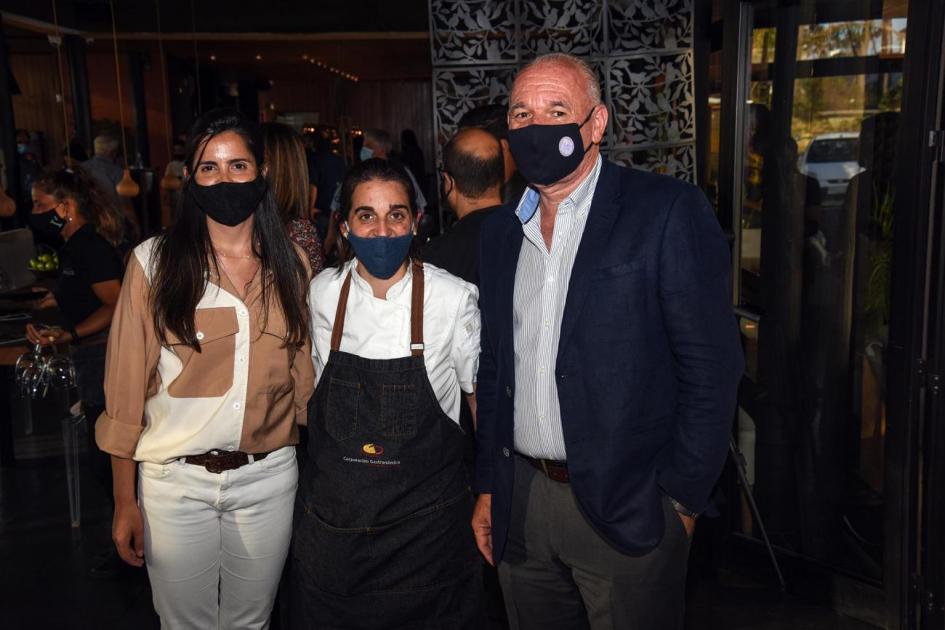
(416, 311)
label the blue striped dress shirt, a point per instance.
(541, 288)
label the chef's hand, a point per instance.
(482, 526)
(46, 336)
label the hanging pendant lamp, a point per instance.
(127, 187)
(170, 181)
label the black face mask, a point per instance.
(546, 154)
(48, 224)
(229, 203)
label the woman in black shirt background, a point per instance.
(68, 204)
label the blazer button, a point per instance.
(508, 391)
(506, 452)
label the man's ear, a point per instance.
(600, 123)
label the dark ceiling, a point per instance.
(232, 16)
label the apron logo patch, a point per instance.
(372, 450)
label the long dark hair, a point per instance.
(184, 253)
(95, 206)
(374, 169)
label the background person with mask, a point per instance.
(378, 145)
(494, 119)
(382, 539)
(609, 368)
(68, 205)
(208, 373)
(471, 185)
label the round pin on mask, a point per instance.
(566, 146)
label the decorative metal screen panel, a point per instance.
(640, 49)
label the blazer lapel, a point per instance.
(600, 220)
(510, 249)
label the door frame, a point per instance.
(913, 588)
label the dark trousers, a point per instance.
(559, 573)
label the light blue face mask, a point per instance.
(366, 154)
(381, 255)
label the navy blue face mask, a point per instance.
(546, 154)
(381, 255)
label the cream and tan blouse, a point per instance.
(243, 390)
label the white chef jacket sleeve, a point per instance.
(465, 342)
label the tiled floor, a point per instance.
(44, 563)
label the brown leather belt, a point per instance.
(556, 471)
(220, 461)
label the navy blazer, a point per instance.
(648, 363)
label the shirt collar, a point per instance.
(395, 291)
(528, 204)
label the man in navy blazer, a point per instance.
(609, 369)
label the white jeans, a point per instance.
(215, 544)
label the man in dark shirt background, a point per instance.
(494, 119)
(473, 173)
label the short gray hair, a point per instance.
(105, 145)
(381, 138)
(590, 77)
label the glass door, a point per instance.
(811, 124)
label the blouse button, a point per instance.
(236, 406)
(199, 336)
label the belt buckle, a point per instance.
(214, 466)
(544, 468)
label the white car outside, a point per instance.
(833, 159)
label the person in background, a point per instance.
(326, 170)
(208, 372)
(170, 199)
(610, 365)
(471, 186)
(494, 119)
(68, 203)
(377, 144)
(7, 203)
(288, 179)
(29, 169)
(103, 166)
(410, 154)
(382, 539)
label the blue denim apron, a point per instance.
(382, 535)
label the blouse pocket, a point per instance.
(341, 416)
(208, 373)
(272, 356)
(399, 410)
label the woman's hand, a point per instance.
(47, 336)
(48, 300)
(128, 533)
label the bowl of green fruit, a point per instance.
(45, 264)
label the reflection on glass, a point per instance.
(816, 232)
